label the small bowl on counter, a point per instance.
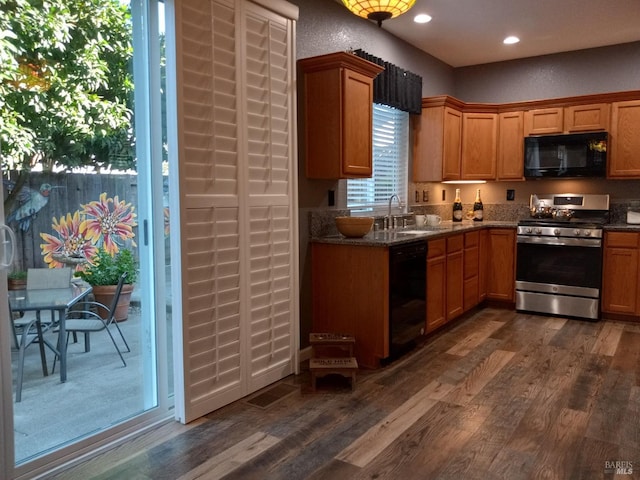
(354, 227)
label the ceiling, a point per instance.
(470, 32)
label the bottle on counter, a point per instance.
(478, 209)
(457, 207)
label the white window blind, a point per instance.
(390, 162)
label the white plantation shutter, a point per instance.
(390, 162)
(239, 257)
(270, 191)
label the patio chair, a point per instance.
(41, 278)
(88, 321)
(28, 330)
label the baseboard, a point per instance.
(305, 355)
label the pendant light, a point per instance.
(378, 10)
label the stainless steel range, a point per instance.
(559, 255)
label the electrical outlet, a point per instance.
(511, 194)
(444, 195)
(332, 198)
(425, 195)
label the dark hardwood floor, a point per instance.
(500, 395)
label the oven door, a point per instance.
(561, 262)
(559, 276)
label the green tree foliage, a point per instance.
(66, 87)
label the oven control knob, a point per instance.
(528, 230)
(538, 231)
(556, 231)
(586, 233)
(576, 232)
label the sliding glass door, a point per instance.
(87, 173)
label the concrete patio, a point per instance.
(99, 390)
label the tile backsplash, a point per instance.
(322, 221)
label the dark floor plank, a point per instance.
(609, 413)
(591, 458)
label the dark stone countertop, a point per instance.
(625, 227)
(385, 238)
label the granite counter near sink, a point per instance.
(383, 238)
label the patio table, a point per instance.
(56, 300)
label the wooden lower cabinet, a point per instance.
(436, 284)
(620, 273)
(350, 294)
(501, 264)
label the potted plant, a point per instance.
(17, 280)
(103, 273)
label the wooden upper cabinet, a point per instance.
(338, 115)
(437, 145)
(583, 118)
(573, 119)
(510, 165)
(479, 146)
(623, 159)
(542, 121)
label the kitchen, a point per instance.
(518, 81)
(504, 82)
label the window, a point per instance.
(390, 161)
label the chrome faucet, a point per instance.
(388, 218)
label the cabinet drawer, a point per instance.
(622, 239)
(436, 248)
(455, 243)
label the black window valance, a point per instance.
(395, 86)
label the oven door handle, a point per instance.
(561, 242)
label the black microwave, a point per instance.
(562, 156)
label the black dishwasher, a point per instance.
(407, 295)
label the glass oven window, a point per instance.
(560, 265)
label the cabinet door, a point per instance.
(620, 273)
(451, 144)
(501, 264)
(483, 264)
(357, 124)
(455, 276)
(620, 281)
(624, 141)
(543, 121)
(479, 146)
(436, 292)
(471, 270)
(510, 146)
(428, 145)
(583, 118)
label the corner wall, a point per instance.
(326, 26)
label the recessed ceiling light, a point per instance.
(510, 40)
(422, 18)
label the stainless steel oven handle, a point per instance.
(561, 242)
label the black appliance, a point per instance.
(407, 296)
(559, 255)
(573, 155)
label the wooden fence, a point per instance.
(67, 195)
